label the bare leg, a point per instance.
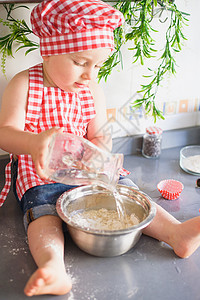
(184, 237)
(46, 243)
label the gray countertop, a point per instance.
(149, 271)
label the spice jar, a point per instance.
(152, 142)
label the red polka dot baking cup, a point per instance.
(170, 189)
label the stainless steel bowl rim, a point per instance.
(98, 232)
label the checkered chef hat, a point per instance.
(66, 26)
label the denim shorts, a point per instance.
(41, 200)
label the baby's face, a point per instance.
(73, 71)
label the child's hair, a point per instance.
(67, 26)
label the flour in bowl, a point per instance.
(103, 219)
(192, 163)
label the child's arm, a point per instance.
(12, 116)
(99, 131)
(13, 138)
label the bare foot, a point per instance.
(47, 281)
(187, 237)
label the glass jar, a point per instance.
(74, 160)
(152, 142)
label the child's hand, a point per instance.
(39, 149)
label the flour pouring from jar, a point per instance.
(74, 160)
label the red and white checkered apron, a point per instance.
(48, 107)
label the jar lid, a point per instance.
(154, 130)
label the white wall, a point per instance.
(179, 96)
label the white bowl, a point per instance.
(190, 159)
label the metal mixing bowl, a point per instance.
(105, 243)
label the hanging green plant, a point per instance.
(17, 36)
(138, 15)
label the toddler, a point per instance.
(60, 95)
